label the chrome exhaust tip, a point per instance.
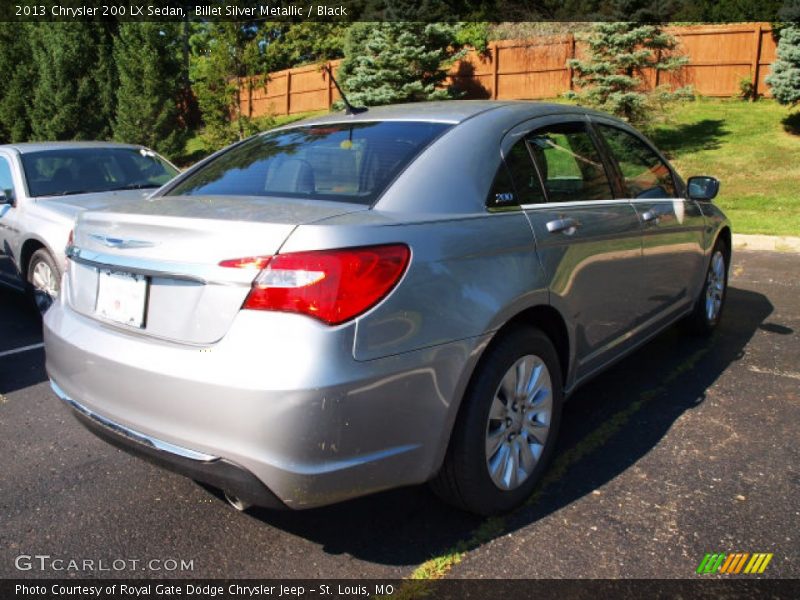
(236, 502)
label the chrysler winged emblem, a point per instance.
(113, 242)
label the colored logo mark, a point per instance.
(733, 564)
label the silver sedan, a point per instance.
(44, 185)
(360, 302)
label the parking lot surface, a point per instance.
(688, 446)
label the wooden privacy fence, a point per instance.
(720, 58)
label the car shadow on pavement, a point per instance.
(629, 408)
(20, 326)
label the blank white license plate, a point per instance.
(121, 297)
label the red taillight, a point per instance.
(333, 286)
(250, 262)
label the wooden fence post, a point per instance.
(328, 71)
(495, 63)
(288, 90)
(570, 56)
(756, 59)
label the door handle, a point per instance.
(651, 216)
(566, 226)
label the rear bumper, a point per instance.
(278, 411)
(204, 468)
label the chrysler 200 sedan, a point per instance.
(359, 302)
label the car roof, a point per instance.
(447, 111)
(27, 147)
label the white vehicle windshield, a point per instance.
(61, 172)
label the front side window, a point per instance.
(645, 175)
(348, 162)
(61, 172)
(6, 180)
(570, 165)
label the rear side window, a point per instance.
(571, 166)
(342, 161)
(516, 181)
(502, 193)
(522, 170)
(644, 173)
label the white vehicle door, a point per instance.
(8, 228)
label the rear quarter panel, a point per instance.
(467, 276)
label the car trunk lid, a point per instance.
(152, 268)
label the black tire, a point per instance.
(41, 299)
(465, 480)
(701, 321)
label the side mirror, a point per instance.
(6, 197)
(702, 187)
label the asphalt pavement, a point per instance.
(689, 446)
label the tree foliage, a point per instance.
(398, 61)
(614, 74)
(19, 73)
(784, 80)
(289, 45)
(225, 54)
(149, 63)
(74, 94)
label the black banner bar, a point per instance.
(707, 11)
(732, 588)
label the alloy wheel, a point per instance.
(45, 285)
(519, 422)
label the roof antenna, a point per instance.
(349, 108)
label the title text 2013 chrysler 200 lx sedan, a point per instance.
(360, 302)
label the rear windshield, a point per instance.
(87, 170)
(344, 162)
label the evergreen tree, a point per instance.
(74, 94)
(149, 62)
(398, 61)
(225, 54)
(291, 44)
(106, 76)
(612, 78)
(784, 80)
(18, 71)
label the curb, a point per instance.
(771, 243)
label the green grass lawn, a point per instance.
(753, 148)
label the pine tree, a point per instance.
(784, 80)
(74, 94)
(397, 61)
(291, 44)
(225, 54)
(18, 71)
(612, 78)
(149, 62)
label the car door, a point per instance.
(8, 228)
(672, 227)
(588, 241)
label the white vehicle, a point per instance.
(43, 186)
